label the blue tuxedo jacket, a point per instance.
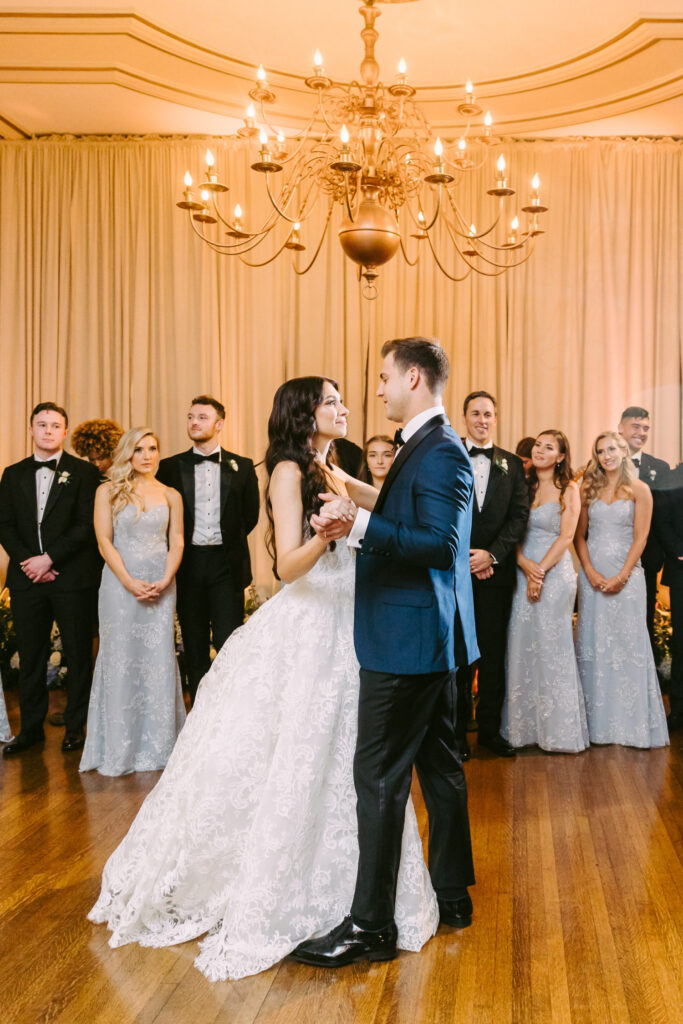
(414, 609)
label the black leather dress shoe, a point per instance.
(346, 944)
(456, 913)
(73, 741)
(497, 745)
(21, 743)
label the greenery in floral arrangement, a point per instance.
(253, 601)
(8, 643)
(662, 636)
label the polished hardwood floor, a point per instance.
(578, 907)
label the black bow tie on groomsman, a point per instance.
(199, 459)
(488, 452)
(398, 439)
(48, 464)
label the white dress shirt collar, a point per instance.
(57, 456)
(469, 443)
(413, 425)
(198, 451)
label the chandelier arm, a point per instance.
(301, 140)
(480, 234)
(441, 267)
(276, 207)
(347, 199)
(227, 224)
(411, 263)
(428, 227)
(264, 263)
(506, 266)
(300, 273)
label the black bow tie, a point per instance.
(398, 439)
(488, 452)
(635, 459)
(199, 459)
(49, 464)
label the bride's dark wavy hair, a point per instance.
(291, 429)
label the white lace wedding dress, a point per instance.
(250, 834)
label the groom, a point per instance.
(413, 611)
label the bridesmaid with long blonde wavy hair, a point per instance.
(136, 705)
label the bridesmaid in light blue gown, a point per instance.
(544, 701)
(623, 699)
(136, 705)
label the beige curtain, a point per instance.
(110, 305)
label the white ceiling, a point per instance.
(596, 67)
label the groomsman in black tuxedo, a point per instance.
(634, 427)
(669, 526)
(499, 517)
(46, 526)
(221, 507)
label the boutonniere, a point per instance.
(233, 465)
(652, 474)
(501, 463)
(64, 477)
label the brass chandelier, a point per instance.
(369, 150)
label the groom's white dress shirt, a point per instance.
(355, 538)
(207, 500)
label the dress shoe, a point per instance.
(73, 741)
(56, 718)
(21, 743)
(346, 944)
(456, 913)
(675, 721)
(497, 745)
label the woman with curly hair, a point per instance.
(251, 833)
(96, 441)
(623, 700)
(136, 704)
(544, 701)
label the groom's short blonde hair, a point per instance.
(425, 353)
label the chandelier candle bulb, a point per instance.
(261, 74)
(188, 202)
(318, 68)
(535, 199)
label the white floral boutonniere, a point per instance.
(64, 477)
(501, 463)
(652, 474)
(233, 465)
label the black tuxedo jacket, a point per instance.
(501, 524)
(239, 505)
(657, 475)
(669, 525)
(67, 529)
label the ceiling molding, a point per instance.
(631, 70)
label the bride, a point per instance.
(250, 833)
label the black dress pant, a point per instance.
(210, 604)
(34, 610)
(406, 720)
(492, 607)
(650, 601)
(676, 685)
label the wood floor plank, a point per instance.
(578, 907)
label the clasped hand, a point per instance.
(335, 518)
(146, 591)
(39, 569)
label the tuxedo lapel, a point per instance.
(186, 469)
(226, 480)
(28, 485)
(495, 480)
(56, 488)
(410, 446)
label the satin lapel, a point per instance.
(28, 485)
(226, 480)
(186, 468)
(494, 481)
(398, 464)
(56, 488)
